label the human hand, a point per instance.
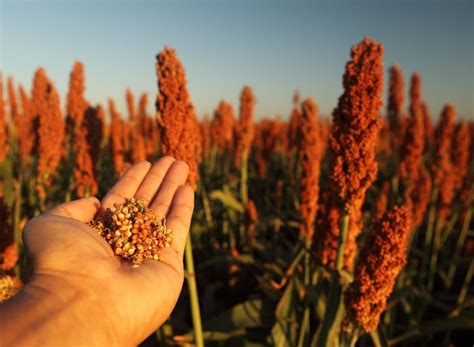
(109, 302)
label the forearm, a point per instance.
(48, 314)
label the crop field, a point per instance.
(354, 229)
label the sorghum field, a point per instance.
(351, 230)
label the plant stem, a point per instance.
(206, 206)
(244, 178)
(193, 294)
(333, 301)
(16, 213)
(305, 325)
(434, 255)
(459, 245)
(429, 230)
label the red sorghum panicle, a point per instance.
(263, 144)
(125, 137)
(250, 221)
(87, 145)
(133, 231)
(205, 127)
(12, 101)
(383, 199)
(196, 138)
(76, 104)
(442, 162)
(142, 114)
(381, 259)
(130, 105)
(420, 196)
(415, 90)
(310, 157)
(47, 110)
(356, 124)
(138, 150)
(86, 183)
(148, 127)
(116, 146)
(428, 126)
(245, 128)
(395, 99)
(175, 113)
(9, 287)
(25, 127)
(9, 257)
(411, 153)
(3, 125)
(462, 144)
(293, 125)
(222, 127)
(328, 222)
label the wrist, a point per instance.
(50, 311)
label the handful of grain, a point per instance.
(133, 231)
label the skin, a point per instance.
(80, 294)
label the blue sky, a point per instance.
(275, 46)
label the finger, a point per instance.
(153, 179)
(176, 176)
(126, 166)
(83, 209)
(127, 185)
(179, 217)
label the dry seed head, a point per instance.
(245, 128)
(356, 124)
(222, 127)
(24, 127)
(116, 146)
(9, 257)
(47, 111)
(395, 97)
(175, 113)
(9, 286)
(443, 168)
(310, 155)
(133, 231)
(381, 259)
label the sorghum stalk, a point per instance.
(353, 139)
(193, 293)
(176, 119)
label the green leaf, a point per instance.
(282, 334)
(252, 313)
(378, 337)
(227, 199)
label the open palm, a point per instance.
(131, 301)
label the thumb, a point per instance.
(82, 210)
